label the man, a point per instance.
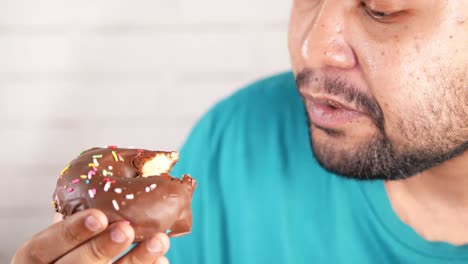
(358, 156)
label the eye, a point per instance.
(379, 16)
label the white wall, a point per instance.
(76, 74)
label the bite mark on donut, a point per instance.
(161, 163)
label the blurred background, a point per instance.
(77, 74)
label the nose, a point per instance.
(325, 44)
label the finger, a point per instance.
(57, 218)
(58, 239)
(148, 251)
(104, 247)
(162, 260)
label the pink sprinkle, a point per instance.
(75, 181)
(94, 191)
(70, 190)
(127, 222)
(95, 169)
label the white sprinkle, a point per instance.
(107, 186)
(91, 193)
(147, 189)
(96, 162)
(116, 205)
(153, 186)
(129, 196)
(118, 190)
(110, 168)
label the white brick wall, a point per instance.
(76, 74)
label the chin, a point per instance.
(361, 158)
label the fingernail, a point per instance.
(118, 235)
(154, 246)
(92, 223)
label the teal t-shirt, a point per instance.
(263, 198)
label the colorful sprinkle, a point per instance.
(91, 193)
(92, 165)
(87, 181)
(147, 189)
(121, 158)
(106, 173)
(116, 205)
(115, 156)
(83, 177)
(75, 181)
(129, 196)
(70, 190)
(153, 186)
(118, 190)
(96, 162)
(112, 147)
(65, 170)
(140, 150)
(107, 186)
(91, 173)
(108, 180)
(110, 168)
(97, 156)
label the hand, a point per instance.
(86, 237)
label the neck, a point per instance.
(435, 202)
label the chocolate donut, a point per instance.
(128, 185)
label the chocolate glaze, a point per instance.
(112, 180)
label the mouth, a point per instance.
(325, 111)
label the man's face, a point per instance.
(384, 81)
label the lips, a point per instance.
(325, 111)
(332, 102)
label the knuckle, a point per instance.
(94, 251)
(32, 253)
(135, 259)
(70, 232)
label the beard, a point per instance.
(380, 158)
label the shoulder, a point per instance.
(279, 89)
(263, 115)
(271, 103)
(270, 99)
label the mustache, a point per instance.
(334, 85)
